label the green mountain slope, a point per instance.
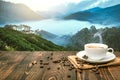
(110, 36)
(15, 40)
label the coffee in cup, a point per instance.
(96, 51)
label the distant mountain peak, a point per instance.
(11, 12)
(46, 34)
(94, 9)
(104, 16)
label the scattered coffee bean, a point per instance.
(59, 61)
(54, 61)
(63, 62)
(46, 63)
(76, 58)
(48, 57)
(69, 76)
(85, 57)
(51, 54)
(41, 60)
(35, 62)
(51, 58)
(80, 71)
(58, 68)
(94, 70)
(97, 72)
(41, 66)
(32, 63)
(48, 68)
(41, 63)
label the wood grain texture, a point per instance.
(49, 65)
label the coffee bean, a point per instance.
(76, 58)
(41, 63)
(97, 72)
(41, 66)
(58, 68)
(51, 54)
(80, 71)
(48, 68)
(69, 76)
(41, 60)
(32, 63)
(54, 61)
(45, 63)
(35, 62)
(94, 70)
(51, 58)
(48, 57)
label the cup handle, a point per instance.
(112, 50)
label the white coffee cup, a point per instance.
(96, 51)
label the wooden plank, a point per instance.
(54, 66)
(20, 69)
(36, 72)
(115, 72)
(93, 75)
(10, 64)
(55, 71)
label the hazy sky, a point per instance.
(45, 5)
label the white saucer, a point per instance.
(109, 57)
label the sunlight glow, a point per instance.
(44, 5)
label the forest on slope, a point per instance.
(110, 36)
(13, 40)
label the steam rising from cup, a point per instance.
(98, 34)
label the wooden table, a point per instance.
(48, 65)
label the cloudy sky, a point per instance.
(47, 5)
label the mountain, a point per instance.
(59, 40)
(82, 16)
(10, 12)
(109, 36)
(94, 9)
(46, 34)
(12, 40)
(106, 16)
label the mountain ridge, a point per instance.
(11, 12)
(105, 16)
(46, 34)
